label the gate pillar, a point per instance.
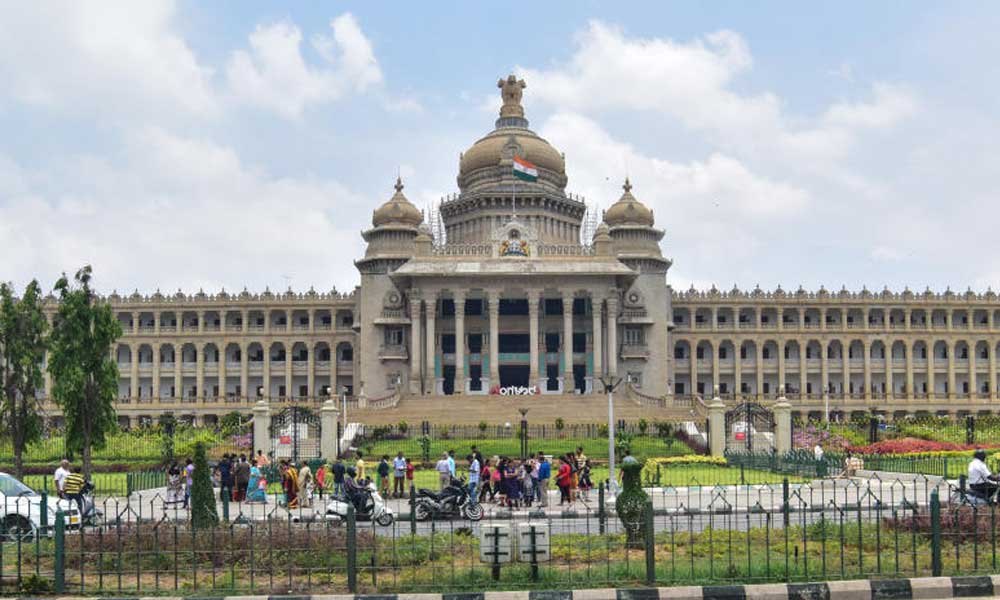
(261, 428)
(328, 430)
(717, 426)
(782, 425)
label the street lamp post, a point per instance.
(610, 382)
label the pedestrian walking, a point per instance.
(306, 486)
(188, 481)
(225, 469)
(409, 473)
(473, 477)
(59, 477)
(383, 476)
(564, 479)
(585, 482)
(73, 488)
(321, 478)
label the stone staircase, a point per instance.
(472, 409)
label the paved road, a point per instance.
(679, 509)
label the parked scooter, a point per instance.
(451, 502)
(92, 516)
(368, 505)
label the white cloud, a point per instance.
(109, 58)
(180, 213)
(274, 75)
(693, 83)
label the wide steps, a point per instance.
(469, 410)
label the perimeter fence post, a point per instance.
(935, 534)
(352, 550)
(649, 534)
(785, 505)
(59, 569)
(601, 516)
(413, 512)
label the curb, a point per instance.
(917, 588)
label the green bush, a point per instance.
(203, 513)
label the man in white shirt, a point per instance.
(444, 471)
(60, 477)
(981, 480)
(398, 475)
(473, 477)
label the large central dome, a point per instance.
(489, 190)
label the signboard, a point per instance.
(285, 440)
(514, 390)
(495, 543)
(533, 542)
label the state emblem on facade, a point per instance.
(514, 245)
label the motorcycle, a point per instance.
(451, 502)
(91, 515)
(370, 506)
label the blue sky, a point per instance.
(230, 144)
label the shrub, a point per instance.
(483, 425)
(560, 424)
(403, 427)
(643, 426)
(602, 431)
(203, 513)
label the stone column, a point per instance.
(908, 318)
(199, 373)
(845, 355)
(494, 310)
(245, 323)
(178, 372)
(598, 339)
(781, 365)
(973, 357)
(824, 371)
(156, 322)
(266, 383)
(328, 423)
(156, 373)
(714, 315)
(993, 371)
(311, 371)
(782, 425)
(459, 297)
(135, 323)
(201, 321)
(867, 350)
(717, 427)
(716, 374)
(534, 297)
(613, 335)
(949, 321)
(888, 374)
(312, 320)
(803, 369)
(567, 302)
(289, 392)
(221, 362)
(430, 309)
(930, 369)
(910, 392)
(415, 340)
(822, 319)
(245, 372)
(951, 364)
(133, 384)
(737, 363)
(781, 319)
(262, 427)
(759, 344)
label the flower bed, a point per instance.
(914, 446)
(809, 436)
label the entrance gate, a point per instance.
(749, 428)
(295, 434)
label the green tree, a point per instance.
(22, 349)
(203, 512)
(84, 373)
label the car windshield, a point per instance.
(11, 487)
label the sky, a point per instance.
(243, 144)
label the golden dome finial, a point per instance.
(628, 185)
(399, 184)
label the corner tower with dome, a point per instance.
(511, 298)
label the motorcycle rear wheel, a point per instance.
(474, 512)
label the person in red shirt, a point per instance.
(321, 478)
(409, 473)
(564, 479)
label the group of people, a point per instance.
(70, 483)
(515, 483)
(241, 479)
(401, 470)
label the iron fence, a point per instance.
(786, 531)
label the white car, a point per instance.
(21, 510)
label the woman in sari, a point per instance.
(290, 483)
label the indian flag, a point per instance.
(525, 170)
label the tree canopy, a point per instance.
(84, 374)
(22, 350)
